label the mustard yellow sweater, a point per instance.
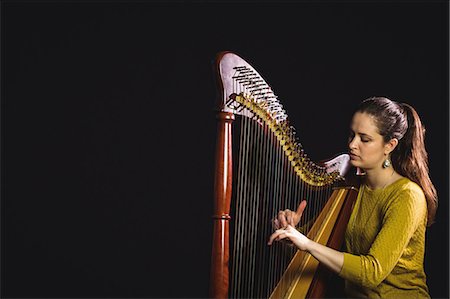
(385, 243)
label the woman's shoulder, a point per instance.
(406, 194)
(405, 186)
(406, 200)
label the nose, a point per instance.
(351, 143)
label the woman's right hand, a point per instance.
(288, 217)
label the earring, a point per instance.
(386, 163)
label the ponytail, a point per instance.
(410, 158)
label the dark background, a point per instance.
(108, 126)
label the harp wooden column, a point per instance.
(221, 217)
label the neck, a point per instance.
(380, 178)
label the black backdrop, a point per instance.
(108, 126)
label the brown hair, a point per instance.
(409, 158)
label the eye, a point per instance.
(351, 135)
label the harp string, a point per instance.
(238, 217)
(272, 202)
(265, 159)
(248, 210)
(255, 203)
(275, 259)
(266, 182)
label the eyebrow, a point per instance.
(362, 134)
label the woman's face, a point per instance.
(366, 146)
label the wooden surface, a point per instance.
(222, 194)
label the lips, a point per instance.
(353, 156)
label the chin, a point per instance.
(355, 163)
(358, 165)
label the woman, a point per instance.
(385, 236)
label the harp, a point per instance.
(261, 168)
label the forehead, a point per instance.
(364, 123)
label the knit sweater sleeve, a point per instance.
(402, 216)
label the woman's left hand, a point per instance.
(299, 240)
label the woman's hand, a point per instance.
(288, 217)
(296, 237)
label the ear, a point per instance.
(390, 145)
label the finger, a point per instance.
(289, 217)
(274, 236)
(282, 219)
(275, 224)
(300, 209)
(282, 236)
(293, 219)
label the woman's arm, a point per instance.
(331, 258)
(402, 218)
